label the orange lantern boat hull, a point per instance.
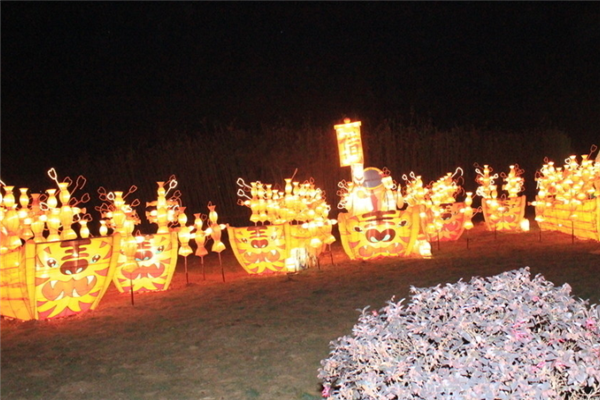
(452, 223)
(259, 249)
(156, 259)
(558, 217)
(506, 216)
(380, 234)
(56, 279)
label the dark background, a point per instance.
(92, 77)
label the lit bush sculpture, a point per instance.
(46, 270)
(503, 337)
(568, 198)
(291, 227)
(507, 211)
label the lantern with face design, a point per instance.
(151, 266)
(444, 219)
(380, 234)
(259, 249)
(446, 222)
(156, 259)
(50, 280)
(502, 213)
(298, 224)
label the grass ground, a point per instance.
(253, 337)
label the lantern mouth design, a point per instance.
(379, 234)
(151, 271)
(264, 256)
(57, 290)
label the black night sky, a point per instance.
(91, 76)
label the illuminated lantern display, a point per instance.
(568, 198)
(443, 218)
(153, 259)
(259, 249)
(374, 226)
(380, 234)
(42, 276)
(57, 279)
(502, 213)
(294, 227)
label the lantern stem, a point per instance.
(187, 278)
(222, 270)
(131, 290)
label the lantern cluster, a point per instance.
(441, 214)
(291, 227)
(572, 183)
(299, 202)
(116, 215)
(370, 190)
(42, 217)
(47, 269)
(502, 212)
(568, 197)
(375, 224)
(165, 211)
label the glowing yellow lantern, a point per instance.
(502, 213)
(380, 234)
(567, 199)
(349, 143)
(152, 259)
(259, 249)
(199, 236)
(153, 266)
(56, 279)
(298, 230)
(443, 218)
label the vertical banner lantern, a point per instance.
(349, 143)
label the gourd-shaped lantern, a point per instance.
(215, 229)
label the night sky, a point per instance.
(91, 76)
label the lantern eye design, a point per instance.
(403, 223)
(51, 262)
(244, 240)
(160, 249)
(358, 229)
(95, 259)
